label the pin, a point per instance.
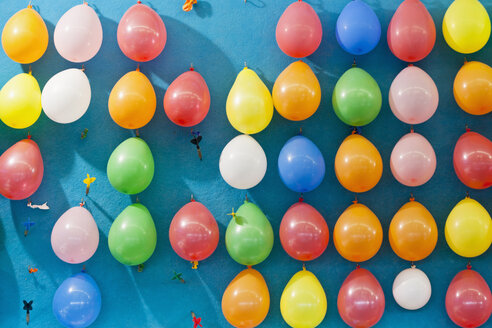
(196, 140)
(196, 321)
(27, 225)
(88, 182)
(27, 307)
(83, 135)
(178, 276)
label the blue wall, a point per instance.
(218, 37)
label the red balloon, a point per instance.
(194, 233)
(303, 232)
(411, 32)
(187, 100)
(141, 33)
(472, 160)
(21, 170)
(361, 299)
(468, 299)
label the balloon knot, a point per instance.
(304, 267)
(355, 201)
(29, 136)
(411, 129)
(192, 69)
(301, 199)
(139, 2)
(138, 67)
(467, 129)
(468, 266)
(248, 266)
(358, 266)
(412, 198)
(410, 65)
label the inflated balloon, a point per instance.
(299, 30)
(303, 301)
(25, 36)
(296, 92)
(303, 232)
(468, 228)
(246, 300)
(358, 164)
(356, 97)
(412, 289)
(77, 301)
(413, 96)
(472, 160)
(132, 101)
(132, 237)
(131, 166)
(358, 28)
(78, 34)
(141, 33)
(249, 235)
(249, 105)
(21, 170)
(187, 100)
(75, 236)
(473, 88)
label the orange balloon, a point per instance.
(473, 88)
(358, 164)
(246, 300)
(358, 233)
(132, 101)
(296, 92)
(413, 232)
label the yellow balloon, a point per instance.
(25, 36)
(20, 101)
(249, 104)
(466, 26)
(303, 301)
(468, 229)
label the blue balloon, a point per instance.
(358, 28)
(301, 165)
(77, 302)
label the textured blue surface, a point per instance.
(218, 37)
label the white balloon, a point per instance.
(243, 162)
(412, 289)
(66, 96)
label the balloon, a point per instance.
(243, 162)
(132, 237)
(187, 99)
(296, 92)
(299, 30)
(20, 101)
(75, 236)
(77, 302)
(141, 33)
(194, 233)
(303, 232)
(466, 26)
(356, 97)
(249, 235)
(413, 96)
(21, 170)
(78, 34)
(246, 300)
(132, 101)
(249, 104)
(358, 28)
(66, 96)
(358, 164)
(25, 36)
(472, 160)
(358, 234)
(473, 88)
(468, 228)
(412, 289)
(413, 160)
(361, 299)
(413, 232)
(301, 165)
(303, 301)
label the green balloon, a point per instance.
(357, 97)
(132, 237)
(131, 166)
(249, 235)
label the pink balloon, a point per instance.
(361, 299)
(187, 100)
(468, 299)
(21, 170)
(75, 236)
(141, 33)
(303, 232)
(413, 96)
(413, 160)
(299, 30)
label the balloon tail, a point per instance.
(188, 5)
(194, 265)
(140, 267)
(83, 135)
